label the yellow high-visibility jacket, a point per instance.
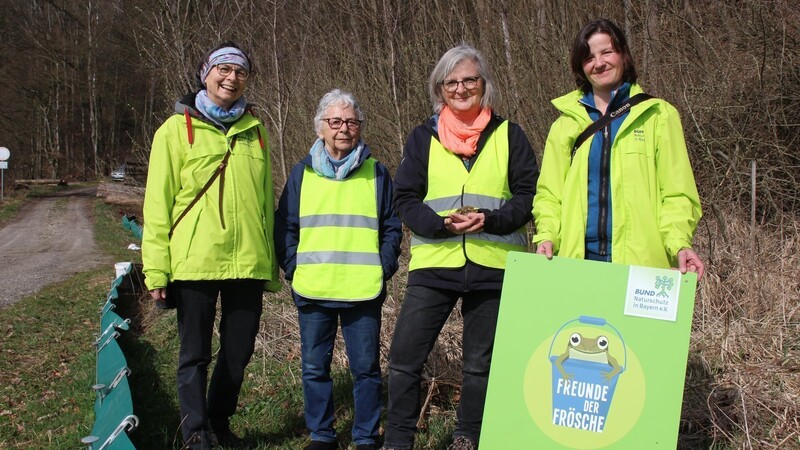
(200, 248)
(655, 203)
(338, 253)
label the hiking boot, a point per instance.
(462, 443)
(226, 439)
(198, 441)
(367, 447)
(321, 445)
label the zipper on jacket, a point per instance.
(605, 175)
(464, 249)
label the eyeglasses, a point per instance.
(224, 71)
(336, 122)
(468, 82)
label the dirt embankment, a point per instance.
(51, 239)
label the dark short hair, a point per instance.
(580, 50)
(198, 73)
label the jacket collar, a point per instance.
(186, 103)
(366, 153)
(570, 105)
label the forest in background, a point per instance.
(87, 82)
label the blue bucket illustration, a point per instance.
(584, 383)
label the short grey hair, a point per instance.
(447, 63)
(336, 97)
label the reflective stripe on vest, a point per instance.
(451, 186)
(338, 256)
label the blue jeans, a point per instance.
(361, 327)
(422, 316)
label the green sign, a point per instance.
(588, 355)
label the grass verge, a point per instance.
(48, 363)
(9, 208)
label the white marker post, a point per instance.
(4, 154)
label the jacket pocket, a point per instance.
(247, 144)
(634, 141)
(184, 234)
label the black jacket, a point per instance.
(410, 188)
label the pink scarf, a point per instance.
(459, 137)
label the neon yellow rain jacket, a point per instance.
(654, 197)
(200, 248)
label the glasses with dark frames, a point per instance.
(336, 122)
(468, 82)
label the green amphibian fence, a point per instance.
(113, 407)
(129, 223)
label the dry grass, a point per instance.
(743, 381)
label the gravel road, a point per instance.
(49, 240)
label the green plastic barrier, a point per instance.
(113, 406)
(129, 223)
(114, 418)
(108, 306)
(113, 320)
(111, 368)
(117, 281)
(121, 442)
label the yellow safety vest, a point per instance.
(451, 186)
(338, 256)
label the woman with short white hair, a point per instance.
(338, 240)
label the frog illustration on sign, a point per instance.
(582, 348)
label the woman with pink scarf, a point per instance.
(465, 188)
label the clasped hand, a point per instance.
(465, 223)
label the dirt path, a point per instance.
(51, 239)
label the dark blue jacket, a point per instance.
(287, 224)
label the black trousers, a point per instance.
(241, 305)
(422, 316)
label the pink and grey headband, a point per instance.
(225, 55)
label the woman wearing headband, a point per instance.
(208, 214)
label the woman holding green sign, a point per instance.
(616, 182)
